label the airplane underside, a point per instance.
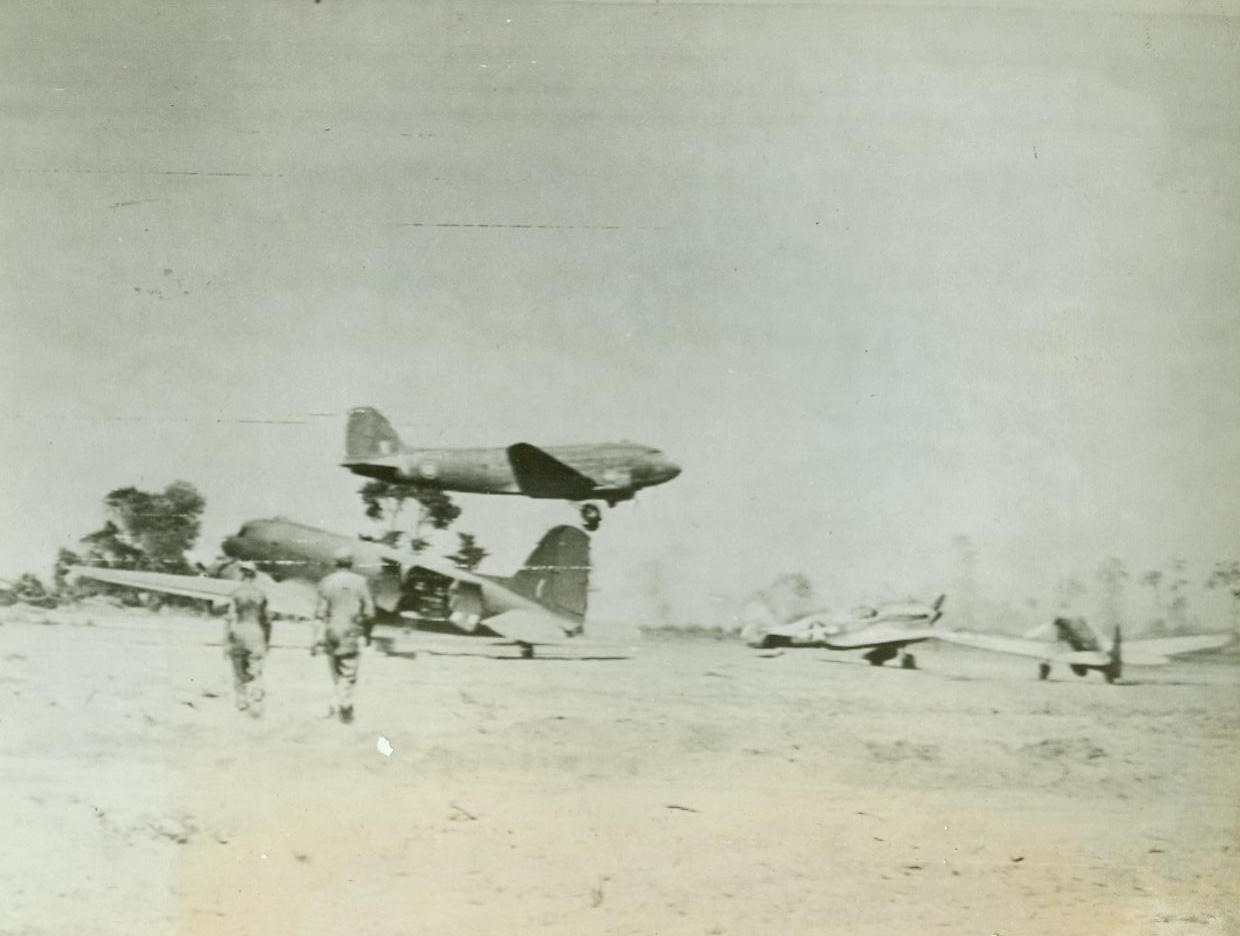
(882, 653)
(1111, 672)
(876, 655)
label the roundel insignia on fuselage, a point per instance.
(428, 470)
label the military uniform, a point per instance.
(345, 608)
(249, 632)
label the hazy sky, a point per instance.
(877, 277)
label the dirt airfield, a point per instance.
(695, 788)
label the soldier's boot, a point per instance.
(254, 698)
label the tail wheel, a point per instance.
(908, 661)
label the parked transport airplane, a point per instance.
(544, 602)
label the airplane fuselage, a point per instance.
(618, 470)
(830, 635)
(883, 633)
(285, 549)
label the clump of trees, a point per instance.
(468, 553)
(1171, 590)
(787, 598)
(28, 589)
(145, 530)
(387, 502)
(1226, 575)
(148, 530)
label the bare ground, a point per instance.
(697, 788)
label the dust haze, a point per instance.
(924, 298)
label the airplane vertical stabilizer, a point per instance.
(369, 435)
(557, 573)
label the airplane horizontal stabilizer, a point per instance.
(528, 627)
(1174, 646)
(541, 475)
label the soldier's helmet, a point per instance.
(248, 569)
(344, 558)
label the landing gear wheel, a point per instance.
(591, 517)
(1044, 671)
(880, 655)
(908, 661)
(527, 651)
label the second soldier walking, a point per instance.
(342, 621)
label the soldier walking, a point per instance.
(247, 633)
(345, 608)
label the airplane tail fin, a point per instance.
(557, 573)
(369, 435)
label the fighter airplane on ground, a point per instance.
(1077, 644)
(542, 603)
(884, 631)
(611, 472)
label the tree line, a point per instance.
(155, 530)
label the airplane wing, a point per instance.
(1159, 650)
(528, 627)
(1022, 646)
(540, 475)
(291, 598)
(877, 635)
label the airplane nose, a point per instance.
(670, 470)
